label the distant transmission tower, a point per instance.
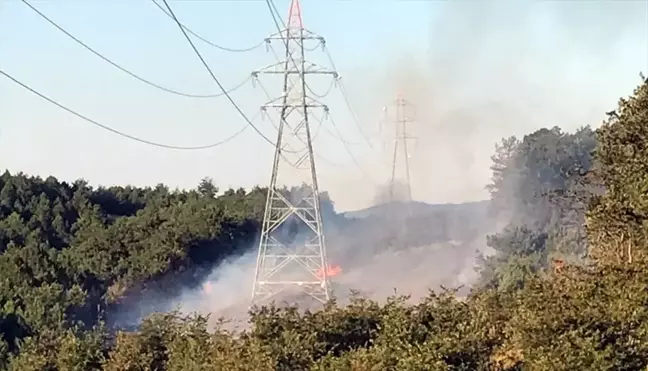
(292, 251)
(401, 138)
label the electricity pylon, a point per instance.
(400, 140)
(292, 251)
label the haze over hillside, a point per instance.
(423, 245)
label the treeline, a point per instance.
(566, 288)
(71, 253)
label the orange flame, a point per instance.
(331, 271)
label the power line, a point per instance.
(323, 95)
(345, 96)
(132, 74)
(275, 14)
(341, 139)
(353, 158)
(273, 9)
(214, 76)
(315, 135)
(401, 137)
(206, 40)
(137, 139)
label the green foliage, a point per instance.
(584, 319)
(69, 251)
(521, 256)
(618, 219)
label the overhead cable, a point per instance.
(341, 139)
(211, 73)
(206, 41)
(347, 101)
(323, 95)
(353, 158)
(120, 133)
(275, 14)
(132, 74)
(285, 149)
(273, 9)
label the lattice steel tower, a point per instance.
(401, 138)
(292, 250)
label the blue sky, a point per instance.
(542, 63)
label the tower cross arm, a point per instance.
(279, 68)
(310, 105)
(294, 72)
(307, 35)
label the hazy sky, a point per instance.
(486, 69)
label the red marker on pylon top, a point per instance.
(295, 16)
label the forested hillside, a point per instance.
(566, 288)
(72, 254)
(69, 251)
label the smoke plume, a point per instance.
(494, 69)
